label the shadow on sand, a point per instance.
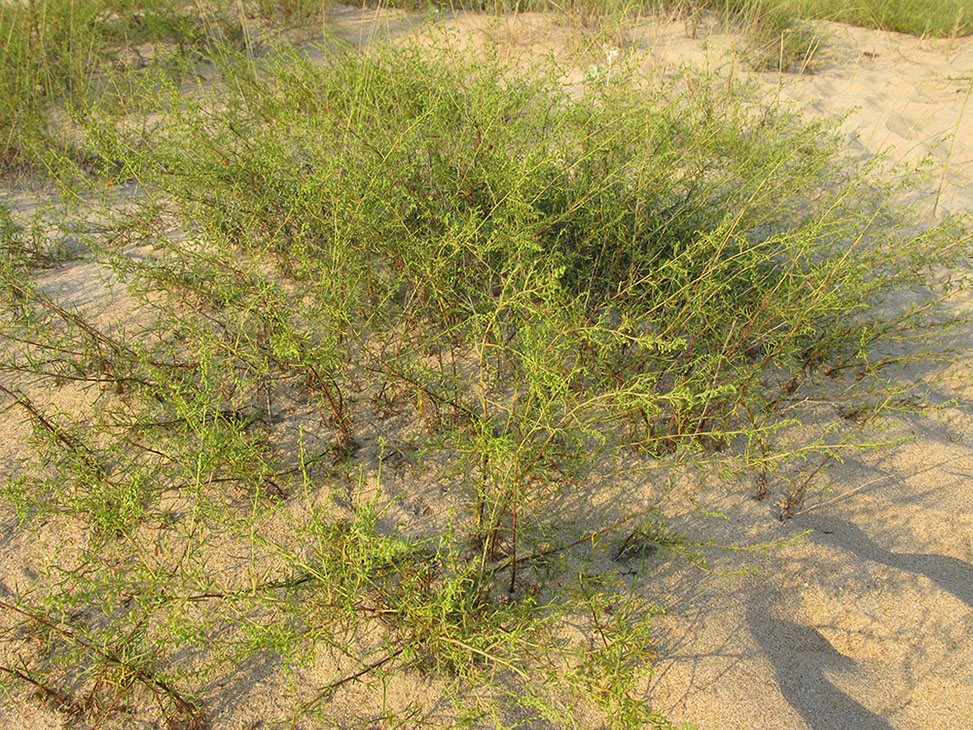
(800, 655)
(950, 574)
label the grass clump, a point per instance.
(55, 56)
(937, 18)
(407, 261)
(776, 34)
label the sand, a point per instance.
(865, 623)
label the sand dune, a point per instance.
(867, 623)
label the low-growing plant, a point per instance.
(57, 57)
(404, 259)
(939, 18)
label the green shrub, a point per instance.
(548, 290)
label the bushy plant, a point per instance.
(545, 288)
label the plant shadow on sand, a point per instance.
(802, 657)
(948, 573)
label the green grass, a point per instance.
(56, 55)
(776, 35)
(408, 261)
(937, 18)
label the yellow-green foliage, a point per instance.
(53, 52)
(941, 18)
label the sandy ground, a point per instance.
(868, 621)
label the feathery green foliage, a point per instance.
(546, 289)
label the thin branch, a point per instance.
(157, 685)
(329, 689)
(63, 703)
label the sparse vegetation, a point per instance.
(57, 55)
(397, 319)
(938, 18)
